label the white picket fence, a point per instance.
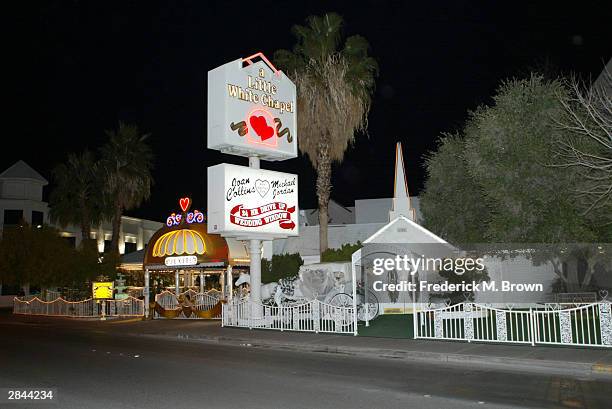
(311, 316)
(198, 301)
(582, 325)
(129, 307)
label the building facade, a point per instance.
(21, 200)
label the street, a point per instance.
(100, 367)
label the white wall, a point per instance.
(307, 243)
(377, 210)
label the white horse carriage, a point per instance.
(329, 283)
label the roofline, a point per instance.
(43, 182)
(413, 224)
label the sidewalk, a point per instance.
(541, 359)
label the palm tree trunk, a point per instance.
(323, 191)
(85, 226)
(116, 229)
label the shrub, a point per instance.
(281, 266)
(344, 253)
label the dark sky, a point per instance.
(78, 67)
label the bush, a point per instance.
(344, 253)
(281, 266)
(41, 258)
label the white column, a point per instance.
(100, 239)
(146, 293)
(78, 238)
(255, 267)
(230, 283)
(140, 239)
(201, 282)
(177, 283)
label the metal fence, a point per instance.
(192, 301)
(127, 307)
(88, 308)
(311, 316)
(586, 325)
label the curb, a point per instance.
(512, 364)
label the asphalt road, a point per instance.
(93, 368)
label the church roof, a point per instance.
(404, 230)
(21, 170)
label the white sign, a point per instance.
(181, 261)
(252, 110)
(252, 203)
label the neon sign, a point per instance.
(252, 110)
(176, 219)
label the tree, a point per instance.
(127, 161)
(334, 89)
(587, 142)
(77, 198)
(502, 186)
(509, 149)
(40, 257)
(453, 204)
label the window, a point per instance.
(130, 247)
(37, 218)
(13, 217)
(71, 241)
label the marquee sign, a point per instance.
(181, 261)
(255, 203)
(252, 110)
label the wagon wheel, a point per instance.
(341, 300)
(372, 310)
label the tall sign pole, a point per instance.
(252, 113)
(255, 260)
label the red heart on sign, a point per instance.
(184, 203)
(259, 124)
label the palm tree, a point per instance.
(127, 162)
(77, 197)
(334, 90)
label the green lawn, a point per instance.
(388, 326)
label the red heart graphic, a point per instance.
(184, 203)
(259, 124)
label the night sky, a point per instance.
(78, 67)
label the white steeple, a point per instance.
(401, 198)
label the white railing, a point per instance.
(197, 301)
(311, 316)
(588, 325)
(127, 307)
(51, 295)
(57, 308)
